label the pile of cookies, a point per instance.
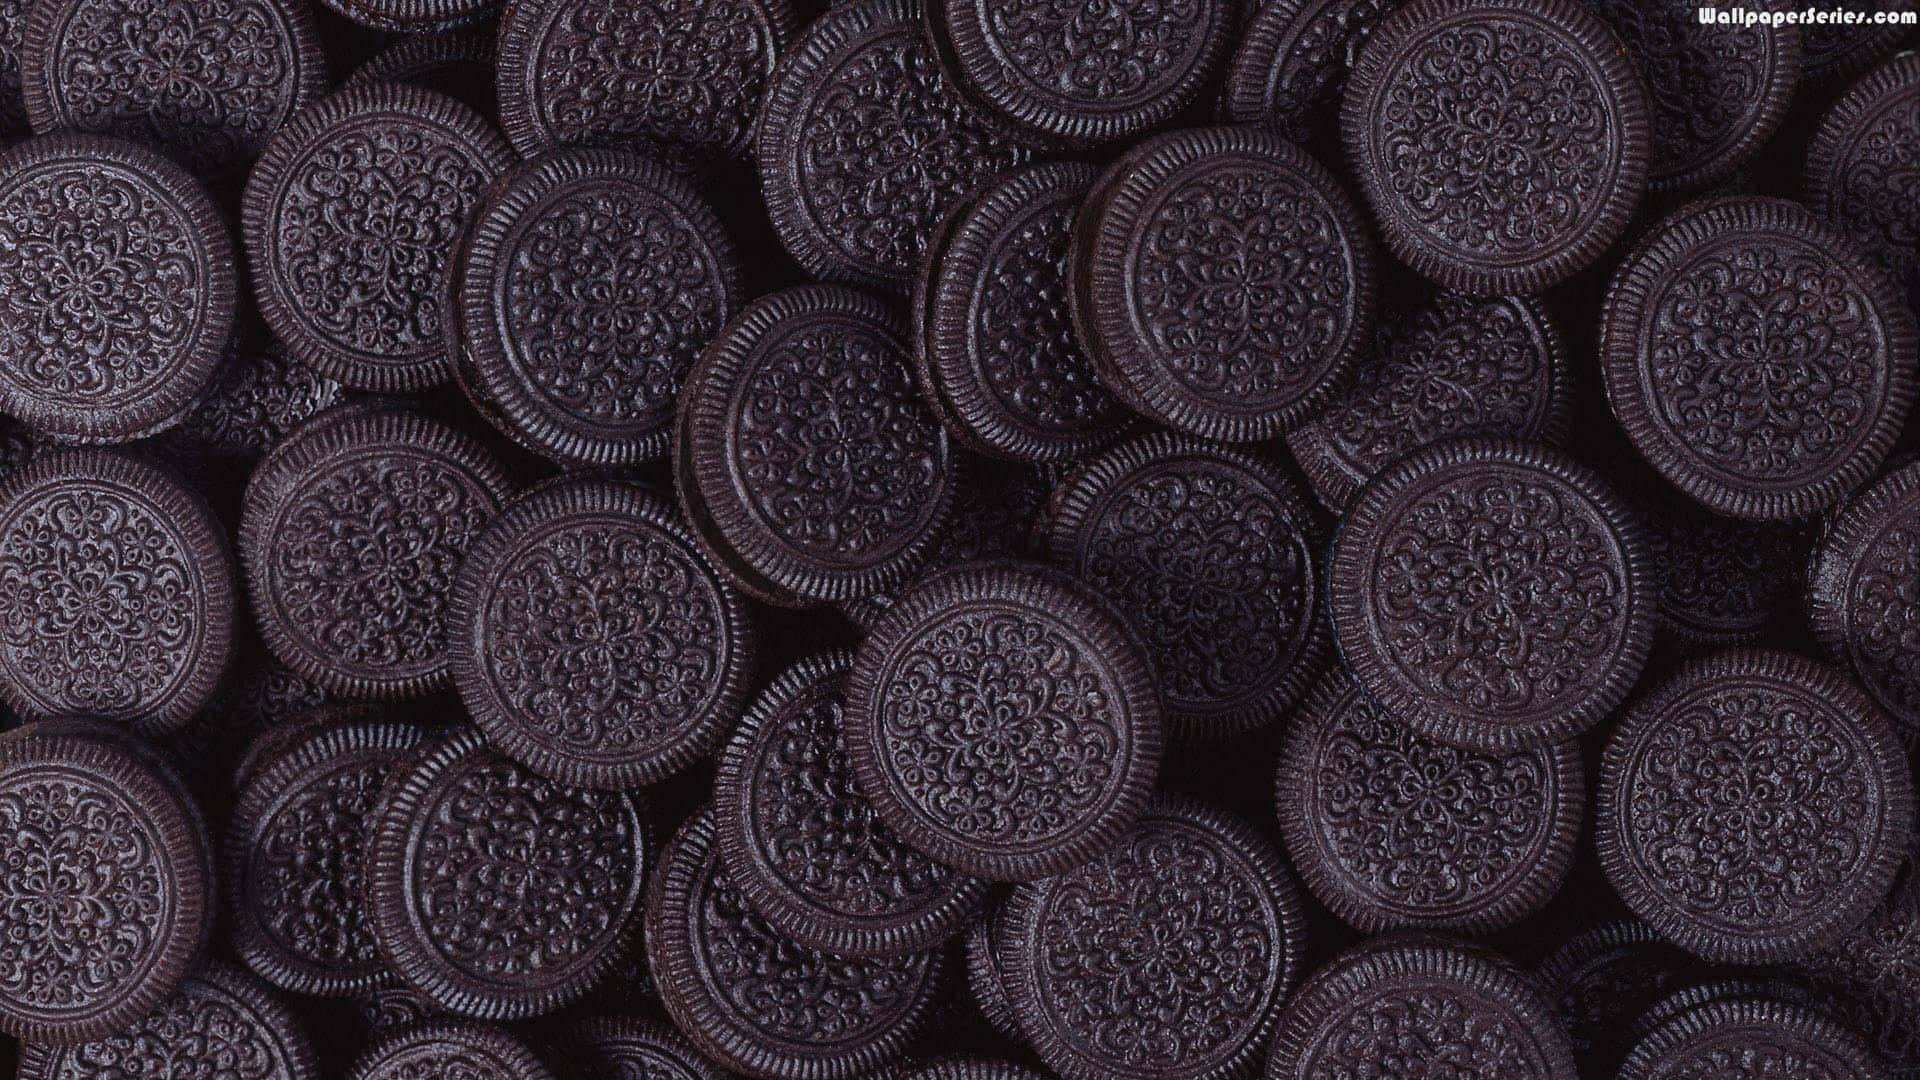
(957, 540)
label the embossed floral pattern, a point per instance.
(1883, 625)
(1874, 192)
(1109, 53)
(306, 874)
(1306, 69)
(256, 399)
(201, 1033)
(13, 24)
(1409, 1032)
(1707, 85)
(1754, 1056)
(1722, 575)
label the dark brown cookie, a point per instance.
(862, 147)
(1723, 580)
(448, 1049)
(349, 221)
(1861, 163)
(1753, 807)
(987, 964)
(1393, 830)
(1756, 358)
(1167, 954)
(588, 280)
(1003, 719)
(1600, 979)
(1457, 365)
(294, 865)
(221, 1022)
(760, 1003)
(208, 81)
(805, 456)
(352, 534)
(1492, 594)
(606, 72)
(806, 848)
(1213, 557)
(1221, 281)
(1876, 968)
(414, 16)
(1740, 1037)
(258, 395)
(119, 597)
(971, 1069)
(1833, 52)
(992, 334)
(1081, 73)
(117, 291)
(13, 106)
(458, 63)
(494, 892)
(592, 641)
(634, 1048)
(106, 888)
(1864, 596)
(1503, 144)
(1292, 61)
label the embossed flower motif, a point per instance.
(305, 875)
(1029, 357)
(1703, 83)
(1884, 605)
(1111, 51)
(1404, 1032)
(1876, 196)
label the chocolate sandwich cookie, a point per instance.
(1866, 144)
(805, 457)
(221, 1022)
(13, 106)
(1456, 365)
(458, 63)
(1492, 594)
(1751, 1038)
(1756, 358)
(862, 147)
(257, 397)
(588, 281)
(992, 335)
(1876, 968)
(1723, 580)
(107, 883)
(119, 592)
(118, 298)
(352, 533)
(1600, 979)
(592, 641)
(1503, 144)
(1213, 558)
(806, 848)
(448, 1049)
(394, 1007)
(1003, 719)
(1393, 830)
(760, 1003)
(1864, 593)
(1169, 953)
(294, 861)
(1393, 1001)
(207, 81)
(496, 893)
(608, 73)
(414, 16)
(1221, 282)
(1834, 52)
(1076, 73)
(972, 1069)
(1292, 61)
(634, 1048)
(1753, 807)
(987, 974)
(349, 218)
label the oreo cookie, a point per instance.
(414, 16)
(634, 1048)
(1747, 416)
(110, 880)
(1604, 977)
(1723, 581)
(119, 298)
(586, 284)
(1864, 593)
(1200, 901)
(1213, 557)
(444, 1048)
(457, 63)
(258, 395)
(13, 27)
(987, 965)
(1876, 970)
(1292, 60)
(119, 592)
(1753, 807)
(1525, 201)
(1865, 142)
(1221, 281)
(1003, 719)
(1492, 594)
(971, 1069)
(349, 218)
(1833, 52)
(862, 147)
(1750, 1037)
(592, 641)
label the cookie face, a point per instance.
(1215, 931)
(1865, 144)
(1221, 282)
(106, 902)
(119, 293)
(335, 180)
(1751, 1038)
(1753, 807)
(1603, 979)
(1865, 591)
(1292, 60)
(1492, 594)
(1552, 185)
(446, 1049)
(257, 397)
(1003, 719)
(1874, 967)
(120, 592)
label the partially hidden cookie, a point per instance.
(592, 641)
(414, 16)
(1753, 807)
(1604, 977)
(108, 884)
(1291, 62)
(349, 219)
(1213, 557)
(986, 963)
(13, 106)
(448, 1049)
(257, 396)
(117, 291)
(1722, 580)
(634, 1048)
(457, 63)
(972, 1069)
(1500, 206)
(1003, 718)
(1756, 358)
(1492, 594)
(1831, 52)
(760, 1003)
(1877, 968)
(1222, 282)
(1744, 1037)
(1864, 592)
(1167, 954)
(1866, 143)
